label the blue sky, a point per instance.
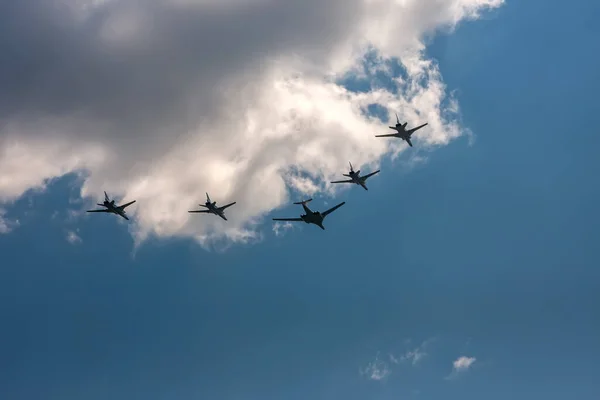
(484, 251)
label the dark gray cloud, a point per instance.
(57, 63)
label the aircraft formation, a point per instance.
(310, 216)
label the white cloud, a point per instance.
(163, 100)
(73, 237)
(463, 363)
(460, 365)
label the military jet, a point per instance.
(112, 208)
(311, 217)
(402, 132)
(356, 178)
(211, 208)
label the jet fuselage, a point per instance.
(212, 207)
(116, 210)
(400, 127)
(356, 178)
(110, 207)
(312, 217)
(401, 131)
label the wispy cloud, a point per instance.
(380, 369)
(7, 225)
(460, 365)
(376, 370)
(3, 226)
(414, 355)
(73, 237)
(280, 228)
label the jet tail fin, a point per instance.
(304, 201)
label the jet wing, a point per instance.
(390, 135)
(126, 205)
(105, 210)
(347, 181)
(326, 213)
(200, 211)
(370, 175)
(287, 219)
(227, 205)
(413, 130)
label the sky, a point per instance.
(467, 271)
